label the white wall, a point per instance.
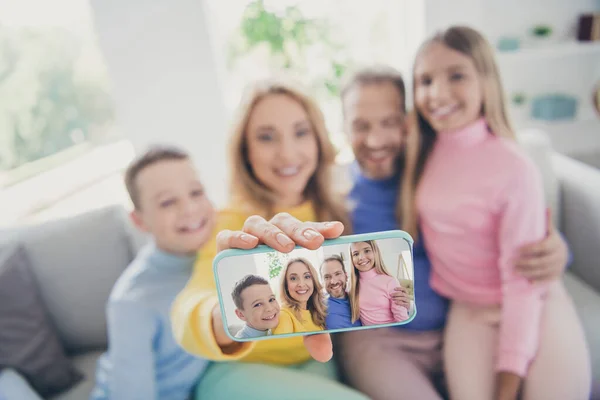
(440, 14)
(165, 79)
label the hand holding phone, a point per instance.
(353, 282)
(274, 233)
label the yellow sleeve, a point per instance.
(286, 323)
(191, 312)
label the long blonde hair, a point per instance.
(420, 141)
(380, 268)
(315, 304)
(245, 187)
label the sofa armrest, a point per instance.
(580, 215)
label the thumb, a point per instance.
(549, 222)
(319, 346)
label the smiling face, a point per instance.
(260, 307)
(299, 282)
(335, 278)
(282, 147)
(448, 88)
(374, 116)
(363, 257)
(173, 206)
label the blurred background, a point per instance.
(85, 84)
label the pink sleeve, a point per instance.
(400, 313)
(522, 221)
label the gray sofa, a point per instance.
(76, 261)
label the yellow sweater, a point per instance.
(289, 323)
(191, 312)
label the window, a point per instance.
(55, 104)
(53, 82)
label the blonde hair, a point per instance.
(380, 268)
(245, 188)
(421, 141)
(315, 304)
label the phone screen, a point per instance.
(347, 285)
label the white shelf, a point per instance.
(552, 49)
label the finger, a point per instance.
(400, 295)
(400, 289)
(550, 268)
(329, 229)
(528, 263)
(310, 235)
(235, 240)
(268, 234)
(536, 263)
(549, 222)
(402, 303)
(543, 281)
(545, 267)
(319, 346)
(541, 275)
(537, 249)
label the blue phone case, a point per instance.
(330, 242)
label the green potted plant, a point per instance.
(519, 111)
(541, 33)
(519, 98)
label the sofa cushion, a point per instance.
(580, 190)
(85, 363)
(587, 302)
(14, 386)
(76, 262)
(28, 341)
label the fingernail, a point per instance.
(246, 238)
(329, 224)
(283, 240)
(310, 234)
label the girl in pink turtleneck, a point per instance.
(372, 286)
(479, 199)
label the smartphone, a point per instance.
(345, 285)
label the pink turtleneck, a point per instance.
(375, 300)
(479, 200)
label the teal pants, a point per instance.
(311, 380)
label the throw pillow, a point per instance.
(28, 342)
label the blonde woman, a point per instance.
(372, 287)
(479, 199)
(280, 156)
(303, 302)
